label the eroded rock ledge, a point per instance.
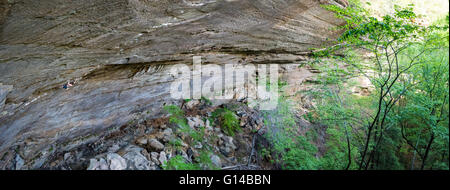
(118, 51)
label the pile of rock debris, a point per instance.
(149, 144)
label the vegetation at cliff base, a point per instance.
(399, 121)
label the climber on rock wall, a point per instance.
(67, 85)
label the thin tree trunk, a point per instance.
(427, 151)
(349, 149)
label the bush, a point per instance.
(176, 115)
(290, 150)
(228, 121)
(179, 163)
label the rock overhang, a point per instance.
(45, 43)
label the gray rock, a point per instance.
(183, 154)
(116, 162)
(4, 90)
(155, 157)
(162, 158)
(195, 122)
(228, 141)
(208, 125)
(142, 141)
(191, 104)
(198, 145)
(114, 148)
(155, 145)
(241, 113)
(227, 146)
(99, 164)
(19, 162)
(168, 131)
(216, 161)
(226, 151)
(168, 135)
(148, 130)
(67, 156)
(137, 161)
(218, 130)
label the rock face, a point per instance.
(4, 90)
(118, 53)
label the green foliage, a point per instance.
(206, 100)
(406, 113)
(425, 112)
(297, 154)
(354, 14)
(290, 149)
(176, 115)
(205, 160)
(401, 124)
(198, 136)
(179, 163)
(175, 111)
(386, 155)
(176, 143)
(228, 120)
(339, 112)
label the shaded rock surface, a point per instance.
(116, 162)
(121, 150)
(4, 90)
(118, 53)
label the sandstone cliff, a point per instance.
(118, 52)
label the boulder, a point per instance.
(162, 158)
(142, 141)
(116, 162)
(19, 162)
(227, 146)
(114, 148)
(167, 135)
(216, 161)
(98, 164)
(208, 125)
(195, 122)
(137, 161)
(67, 156)
(155, 158)
(155, 145)
(191, 104)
